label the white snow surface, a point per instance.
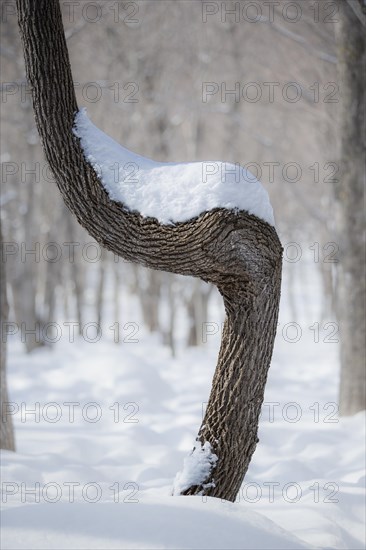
(170, 192)
(305, 486)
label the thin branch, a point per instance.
(358, 10)
(302, 41)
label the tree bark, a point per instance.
(351, 288)
(6, 426)
(239, 253)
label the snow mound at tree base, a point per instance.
(153, 522)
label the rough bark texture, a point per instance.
(237, 252)
(6, 425)
(351, 293)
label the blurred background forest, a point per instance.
(248, 82)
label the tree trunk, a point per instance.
(6, 428)
(231, 419)
(169, 328)
(77, 270)
(239, 253)
(351, 291)
(197, 310)
(100, 291)
(149, 295)
(23, 280)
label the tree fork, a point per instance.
(238, 252)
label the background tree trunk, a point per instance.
(7, 430)
(351, 290)
(239, 253)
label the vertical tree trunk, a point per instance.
(7, 430)
(116, 293)
(169, 329)
(23, 281)
(351, 292)
(238, 252)
(149, 296)
(100, 291)
(77, 270)
(197, 310)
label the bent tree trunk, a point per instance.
(238, 252)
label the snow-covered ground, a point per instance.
(96, 461)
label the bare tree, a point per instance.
(351, 290)
(238, 252)
(6, 427)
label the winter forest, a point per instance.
(182, 274)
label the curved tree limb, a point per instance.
(238, 252)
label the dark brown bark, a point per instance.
(6, 423)
(350, 193)
(238, 252)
